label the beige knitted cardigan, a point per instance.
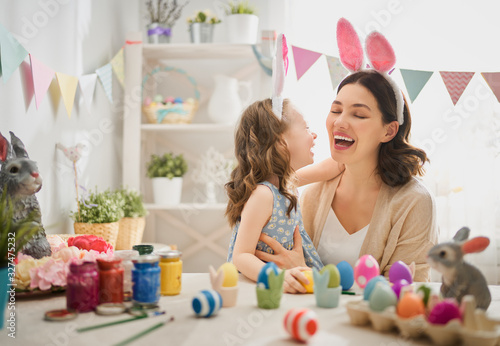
(402, 228)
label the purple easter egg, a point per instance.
(444, 312)
(400, 271)
(398, 285)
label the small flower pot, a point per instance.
(327, 297)
(201, 32)
(242, 28)
(167, 192)
(158, 33)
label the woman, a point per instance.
(376, 205)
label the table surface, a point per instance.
(244, 324)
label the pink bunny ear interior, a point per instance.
(4, 148)
(350, 50)
(284, 49)
(477, 244)
(380, 52)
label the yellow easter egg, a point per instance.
(310, 286)
(230, 274)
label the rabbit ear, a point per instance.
(477, 244)
(280, 68)
(380, 52)
(18, 146)
(5, 149)
(462, 234)
(350, 50)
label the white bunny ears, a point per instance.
(280, 68)
(379, 52)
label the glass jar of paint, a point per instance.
(146, 280)
(82, 289)
(171, 272)
(110, 280)
(126, 256)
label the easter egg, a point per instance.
(334, 275)
(207, 303)
(310, 286)
(262, 279)
(371, 285)
(444, 311)
(366, 267)
(400, 271)
(178, 100)
(301, 324)
(190, 100)
(346, 275)
(158, 98)
(169, 99)
(382, 297)
(410, 304)
(398, 285)
(425, 291)
(230, 274)
(147, 101)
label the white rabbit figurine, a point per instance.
(459, 277)
(20, 177)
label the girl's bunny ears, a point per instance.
(379, 52)
(280, 68)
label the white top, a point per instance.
(336, 245)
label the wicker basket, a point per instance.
(130, 233)
(171, 113)
(108, 231)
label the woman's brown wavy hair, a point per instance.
(398, 160)
(261, 152)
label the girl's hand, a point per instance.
(284, 259)
(293, 279)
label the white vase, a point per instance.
(225, 104)
(242, 28)
(167, 192)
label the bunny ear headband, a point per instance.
(280, 68)
(379, 52)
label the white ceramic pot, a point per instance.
(242, 28)
(167, 191)
(225, 104)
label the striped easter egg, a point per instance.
(207, 303)
(301, 324)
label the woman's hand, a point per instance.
(285, 259)
(293, 279)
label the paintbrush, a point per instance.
(135, 318)
(144, 332)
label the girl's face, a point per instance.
(299, 140)
(355, 127)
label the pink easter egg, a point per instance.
(400, 271)
(444, 312)
(147, 101)
(301, 324)
(398, 285)
(365, 269)
(169, 99)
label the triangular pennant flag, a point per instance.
(456, 82)
(337, 70)
(104, 74)
(42, 77)
(304, 59)
(493, 80)
(12, 53)
(415, 81)
(67, 85)
(87, 87)
(117, 65)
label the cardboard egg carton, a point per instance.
(475, 329)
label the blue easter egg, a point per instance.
(207, 303)
(346, 275)
(178, 100)
(262, 279)
(371, 285)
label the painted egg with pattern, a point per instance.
(230, 274)
(399, 271)
(366, 268)
(346, 275)
(207, 303)
(301, 324)
(262, 279)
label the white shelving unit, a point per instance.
(198, 229)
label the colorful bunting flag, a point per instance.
(117, 65)
(67, 86)
(42, 77)
(337, 70)
(12, 54)
(87, 87)
(304, 59)
(415, 81)
(493, 80)
(105, 76)
(456, 82)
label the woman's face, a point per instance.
(299, 139)
(355, 126)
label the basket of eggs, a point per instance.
(167, 109)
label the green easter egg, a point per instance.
(158, 98)
(334, 275)
(426, 292)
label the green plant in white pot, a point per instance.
(166, 174)
(242, 22)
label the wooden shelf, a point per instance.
(188, 127)
(201, 51)
(187, 206)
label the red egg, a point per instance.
(301, 324)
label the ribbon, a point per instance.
(159, 31)
(84, 197)
(162, 113)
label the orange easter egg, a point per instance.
(410, 305)
(310, 286)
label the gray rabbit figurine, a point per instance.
(20, 177)
(459, 277)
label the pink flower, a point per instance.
(67, 253)
(90, 242)
(51, 273)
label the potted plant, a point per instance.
(162, 15)
(201, 26)
(133, 222)
(100, 213)
(166, 173)
(242, 23)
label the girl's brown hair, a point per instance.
(398, 160)
(261, 152)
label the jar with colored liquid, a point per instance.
(126, 256)
(171, 272)
(146, 280)
(82, 289)
(110, 280)
(144, 249)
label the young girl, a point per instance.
(261, 192)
